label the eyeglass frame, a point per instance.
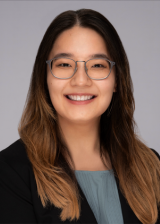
(111, 62)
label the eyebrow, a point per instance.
(99, 55)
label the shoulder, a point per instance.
(16, 170)
(157, 154)
(18, 192)
(15, 157)
(16, 149)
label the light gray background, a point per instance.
(22, 26)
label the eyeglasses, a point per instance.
(65, 68)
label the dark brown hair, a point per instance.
(134, 164)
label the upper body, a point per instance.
(78, 115)
(19, 199)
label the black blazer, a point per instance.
(19, 201)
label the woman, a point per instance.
(78, 159)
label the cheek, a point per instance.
(106, 90)
(55, 88)
(52, 88)
(105, 101)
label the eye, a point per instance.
(63, 64)
(99, 66)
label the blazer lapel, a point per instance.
(87, 215)
(128, 214)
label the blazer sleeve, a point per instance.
(15, 197)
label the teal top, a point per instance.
(100, 190)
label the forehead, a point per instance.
(79, 41)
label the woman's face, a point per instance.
(81, 42)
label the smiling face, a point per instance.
(81, 42)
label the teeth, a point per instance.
(79, 98)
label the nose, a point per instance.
(80, 77)
(83, 67)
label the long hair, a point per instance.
(135, 165)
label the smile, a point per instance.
(77, 100)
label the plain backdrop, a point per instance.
(22, 26)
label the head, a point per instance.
(81, 42)
(83, 33)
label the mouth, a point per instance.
(80, 100)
